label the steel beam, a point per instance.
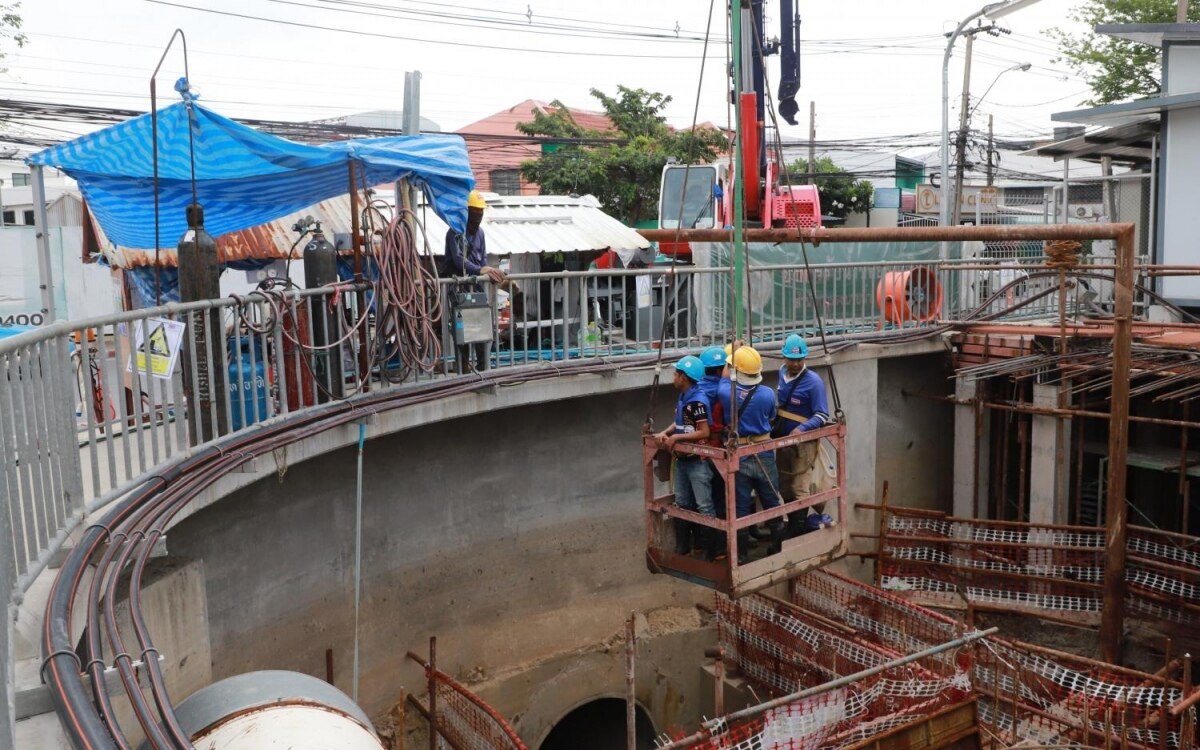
(902, 234)
(1116, 513)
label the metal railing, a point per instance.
(85, 414)
(92, 409)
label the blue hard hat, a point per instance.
(794, 347)
(692, 367)
(713, 356)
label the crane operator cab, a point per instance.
(707, 537)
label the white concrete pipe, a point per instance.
(275, 709)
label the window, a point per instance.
(506, 181)
(697, 212)
(29, 220)
(10, 218)
(20, 179)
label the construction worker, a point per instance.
(802, 406)
(693, 490)
(466, 255)
(754, 407)
(713, 358)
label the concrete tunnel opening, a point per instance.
(598, 725)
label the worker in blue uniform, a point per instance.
(466, 255)
(693, 488)
(751, 407)
(802, 407)
(713, 358)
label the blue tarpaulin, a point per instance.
(244, 177)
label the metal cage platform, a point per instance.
(798, 554)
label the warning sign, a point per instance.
(161, 346)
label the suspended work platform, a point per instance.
(797, 555)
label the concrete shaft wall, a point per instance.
(514, 536)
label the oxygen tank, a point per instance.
(200, 279)
(320, 268)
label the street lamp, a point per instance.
(1019, 66)
(992, 11)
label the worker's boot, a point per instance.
(775, 525)
(710, 541)
(683, 536)
(743, 546)
(795, 523)
(758, 533)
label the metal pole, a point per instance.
(812, 142)
(1116, 513)
(362, 439)
(991, 175)
(41, 222)
(899, 234)
(961, 158)
(944, 204)
(411, 126)
(432, 682)
(739, 186)
(762, 708)
(630, 684)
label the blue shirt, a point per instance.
(691, 409)
(759, 413)
(710, 386)
(476, 252)
(803, 396)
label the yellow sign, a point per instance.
(161, 346)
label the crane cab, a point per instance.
(797, 555)
(691, 197)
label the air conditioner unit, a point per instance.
(1084, 212)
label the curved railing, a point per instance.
(94, 416)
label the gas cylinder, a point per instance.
(200, 279)
(320, 268)
(247, 381)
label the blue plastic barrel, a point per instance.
(247, 382)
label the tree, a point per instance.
(10, 25)
(622, 167)
(1115, 69)
(841, 194)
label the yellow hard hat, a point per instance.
(746, 360)
(475, 200)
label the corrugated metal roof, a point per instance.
(514, 225)
(547, 224)
(268, 241)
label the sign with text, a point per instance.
(161, 346)
(986, 199)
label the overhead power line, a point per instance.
(443, 42)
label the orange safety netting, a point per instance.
(465, 721)
(783, 649)
(1036, 568)
(1026, 694)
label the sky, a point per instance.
(872, 67)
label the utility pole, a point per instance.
(812, 145)
(1181, 12)
(956, 203)
(991, 176)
